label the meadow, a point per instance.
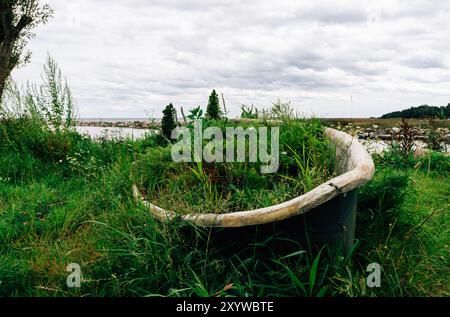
(65, 198)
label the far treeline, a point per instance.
(423, 111)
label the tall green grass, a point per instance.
(67, 199)
(51, 216)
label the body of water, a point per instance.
(112, 133)
(114, 119)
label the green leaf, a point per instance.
(313, 272)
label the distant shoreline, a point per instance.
(134, 123)
(146, 123)
(116, 119)
(363, 128)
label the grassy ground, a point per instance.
(68, 200)
(410, 240)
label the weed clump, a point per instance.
(306, 160)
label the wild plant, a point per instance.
(435, 139)
(404, 140)
(51, 103)
(249, 112)
(55, 101)
(195, 114)
(209, 189)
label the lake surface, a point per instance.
(112, 133)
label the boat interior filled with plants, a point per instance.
(305, 160)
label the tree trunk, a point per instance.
(4, 74)
(5, 65)
(2, 87)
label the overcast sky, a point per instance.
(129, 58)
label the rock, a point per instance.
(363, 136)
(385, 136)
(418, 152)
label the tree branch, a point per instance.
(2, 34)
(5, 28)
(23, 23)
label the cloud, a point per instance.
(127, 58)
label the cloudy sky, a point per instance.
(129, 58)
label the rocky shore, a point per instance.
(132, 124)
(389, 134)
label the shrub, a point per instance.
(150, 140)
(393, 158)
(434, 138)
(385, 192)
(282, 111)
(51, 103)
(153, 166)
(405, 139)
(435, 162)
(213, 110)
(30, 146)
(249, 112)
(168, 122)
(195, 114)
(55, 100)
